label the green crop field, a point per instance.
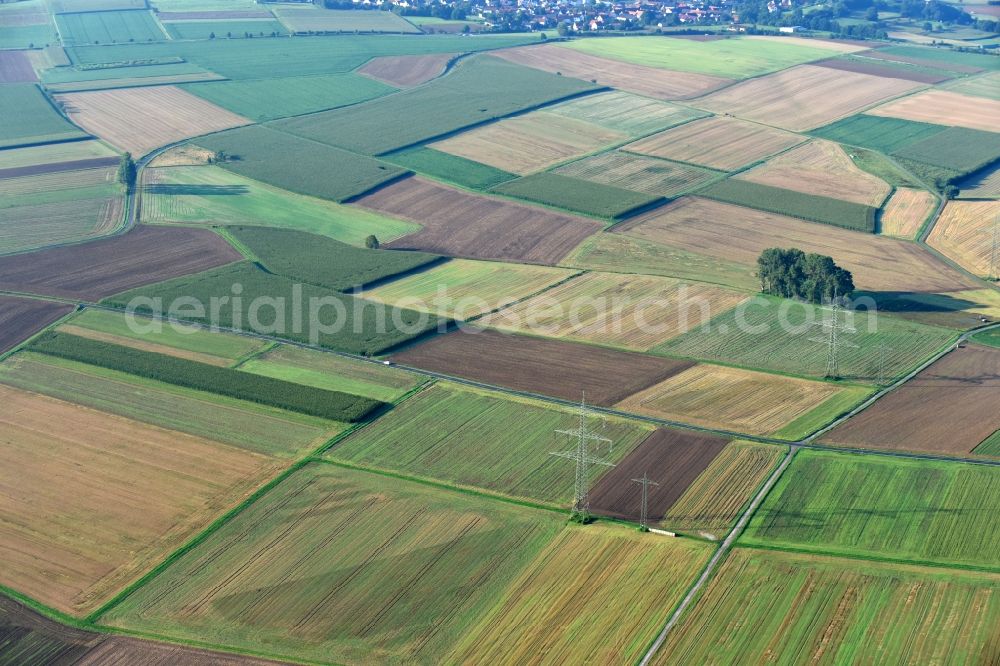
(28, 36)
(461, 288)
(211, 195)
(989, 446)
(69, 79)
(625, 112)
(51, 153)
(243, 424)
(306, 17)
(475, 91)
(879, 165)
(790, 608)
(770, 334)
(883, 508)
(341, 322)
(640, 174)
(825, 210)
(728, 58)
(266, 99)
(344, 566)
(483, 440)
(991, 338)
(29, 117)
(576, 194)
(297, 164)
(946, 57)
(448, 167)
(109, 27)
(957, 148)
(331, 405)
(333, 372)
(323, 261)
(824, 413)
(883, 134)
(987, 85)
(224, 29)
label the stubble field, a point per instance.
(906, 211)
(964, 233)
(944, 107)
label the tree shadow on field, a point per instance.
(197, 190)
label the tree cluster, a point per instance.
(127, 172)
(811, 277)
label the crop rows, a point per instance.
(575, 194)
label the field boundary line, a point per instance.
(46, 611)
(547, 288)
(720, 553)
(31, 338)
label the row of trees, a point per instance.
(811, 277)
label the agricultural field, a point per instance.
(50, 157)
(343, 565)
(944, 58)
(577, 195)
(985, 185)
(99, 268)
(267, 99)
(811, 207)
(450, 168)
(634, 312)
(231, 29)
(956, 149)
(719, 142)
(820, 168)
(333, 372)
(879, 507)
(943, 107)
(987, 85)
(20, 318)
(960, 310)
(960, 388)
(964, 232)
(905, 212)
(774, 335)
(887, 69)
(460, 289)
(724, 398)
(624, 112)
(475, 91)
(139, 120)
(76, 6)
(482, 440)
(640, 174)
(67, 79)
(15, 67)
(29, 118)
(109, 27)
(529, 143)
(989, 446)
(671, 458)
(706, 227)
(95, 531)
(837, 611)
(244, 425)
(626, 584)
(804, 97)
(461, 224)
(210, 195)
(323, 261)
(713, 501)
(406, 71)
(646, 81)
(299, 165)
(883, 134)
(27, 36)
(310, 18)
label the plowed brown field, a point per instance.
(406, 71)
(20, 318)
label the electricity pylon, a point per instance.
(646, 483)
(583, 458)
(831, 338)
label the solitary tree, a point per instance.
(126, 171)
(371, 242)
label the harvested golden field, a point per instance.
(715, 396)
(635, 312)
(90, 501)
(804, 97)
(141, 119)
(821, 168)
(906, 211)
(596, 594)
(964, 233)
(406, 71)
(719, 142)
(648, 81)
(945, 108)
(531, 142)
(878, 263)
(833, 45)
(985, 185)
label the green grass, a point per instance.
(109, 27)
(883, 508)
(26, 36)
(946, 56)
(333, 372)
(339, 565)
(885, 135)
(211, 195)
(625, 112)
(73, 75)
(299, 165)
(341, 322)
(28, 118)
(576, 194)
(223, 29)
(323, 261)
(881, 166)
(266, 99)
(728, 58)
(451, 168)
(640, 174)
(825, 210)
(246, 425)
(987, 85)
(957, 148)
(475, 91)
(823, 414)
(991, 338)
(989, 446)
(773, 335)
(785, 608)
(332, 405)
(482, 440)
